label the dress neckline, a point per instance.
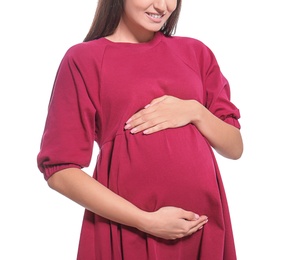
(153, 42)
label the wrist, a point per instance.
(196, 112)
(143, 221)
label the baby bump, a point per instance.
(171, 167)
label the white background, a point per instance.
(252, 41)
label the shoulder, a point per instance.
(85, 51)
(188, 44)
(191, 50)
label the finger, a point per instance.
(197, 227)
(157, 128)
(156, 100)
(137, 120)
(189, 215)
(136, 116)
(194, 226)
(143, 122)
(144, 111)
(151, 126)
(139, 115)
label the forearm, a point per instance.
(223, 137)
(89, 193)
(167, 222)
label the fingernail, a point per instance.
(147, 106)
(127, 126)
(196, 216)
(133, 131)
(128, 121)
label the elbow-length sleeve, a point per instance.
(69, 132)
(217, 93)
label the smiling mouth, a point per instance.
(155, 16)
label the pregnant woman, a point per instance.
(158, 106)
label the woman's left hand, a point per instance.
(162, 113)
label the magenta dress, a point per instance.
(98, 86)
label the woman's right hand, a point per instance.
(173, 223)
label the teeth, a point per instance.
(157, 16)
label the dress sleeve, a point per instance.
(217, 93)
(69, 132)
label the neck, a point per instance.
(132, 35)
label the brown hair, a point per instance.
(105, 23)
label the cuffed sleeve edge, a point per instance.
(50, 170)
(232, 121)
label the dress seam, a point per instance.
(111, 140)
